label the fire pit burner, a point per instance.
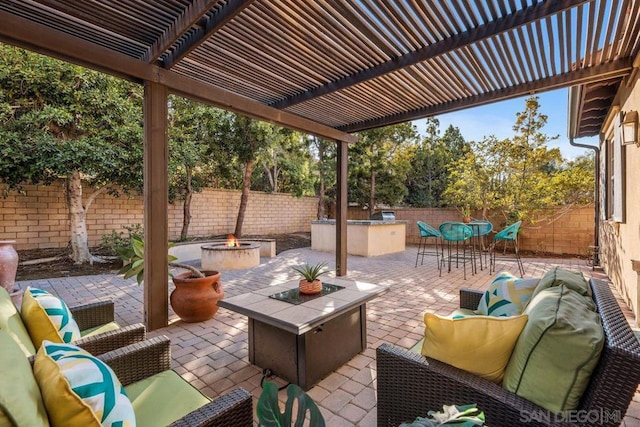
(221, 256)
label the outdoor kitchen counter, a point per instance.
(304, 343)
(364, 237)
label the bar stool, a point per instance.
(457, 232)
(426, 232)
(509, 234)
(481, 229)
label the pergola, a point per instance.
(325, 67)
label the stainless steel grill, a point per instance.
(384, 216)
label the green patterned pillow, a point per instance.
(80, 390)
(47, 318)
(507, 295)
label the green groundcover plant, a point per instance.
(461, 416)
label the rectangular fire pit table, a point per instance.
(304, 343)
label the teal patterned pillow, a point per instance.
(48, 317)
(507, 295)
(79, 389)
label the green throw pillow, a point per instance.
(558, 276)
(507, 295)
(20, 399)
(11, 323)
(557, 350)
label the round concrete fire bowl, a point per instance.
(220, 256)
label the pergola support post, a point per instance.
(341, 208)
(156, 231)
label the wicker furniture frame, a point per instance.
(98, 313)
(409, 384)
(141, 360)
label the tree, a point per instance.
(59, 120)
(326, 168)
(475, 179)
(193, 140)
(430, 164)
(247, 138)
(379, 164)
(529, 164)
(574, 182)
(287, 164)
(519, 176)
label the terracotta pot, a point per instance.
(310, 287)
(8, 264)
(466, 219)
(196, 299)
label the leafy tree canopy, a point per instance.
(56, 118)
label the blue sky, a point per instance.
(498, 119)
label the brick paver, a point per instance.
(212, 355)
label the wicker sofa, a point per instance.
(95, 316)
(409, 384)
(139, 361)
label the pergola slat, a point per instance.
(217, 21)
(462, 39)
(618, 68)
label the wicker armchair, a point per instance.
(87, 316)
(409, 384)
(141, 360)
(99, 313)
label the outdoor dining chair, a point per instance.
(426, 232)
(459, 234)
(481, 229)
(509, 234)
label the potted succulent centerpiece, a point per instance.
(466, 214)
(310, 284)
(196, 294)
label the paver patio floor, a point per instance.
(213, 355)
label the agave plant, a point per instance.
(311, 272)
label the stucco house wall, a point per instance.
(620, 241)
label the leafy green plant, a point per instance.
(133, 257)
(269, 414)
(465, 211)
(116, 242)
(462, 416)
(311, 272)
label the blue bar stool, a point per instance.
(458, 233)
(509, 234)
(481, 229)
(426, 232)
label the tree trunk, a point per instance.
(186, 207)
(321, 190)
(77, 220)
(372, 194)
(246, 186)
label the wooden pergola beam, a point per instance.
(191, 15)
(21, 32)
(341, 208)
(482, 32)
(156, 200)
(618, 68)
(224, 15)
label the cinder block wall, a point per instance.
(570, 232)
(38, 217)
